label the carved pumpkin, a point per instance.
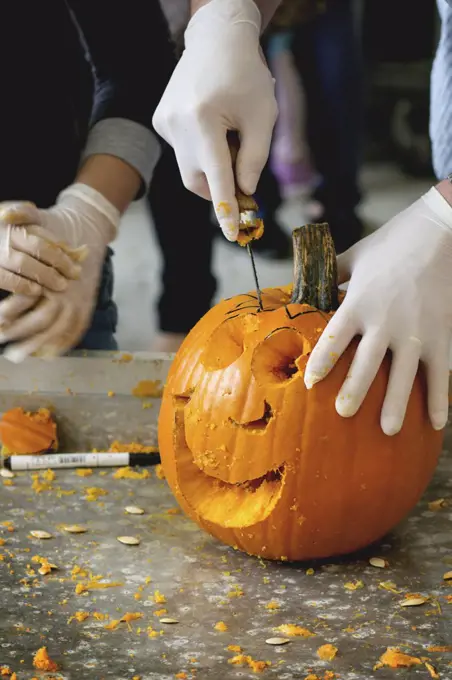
(266, 465)
(22, 432)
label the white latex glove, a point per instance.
(83, 222)
(399, 298)
(29, 264)
(221, 83)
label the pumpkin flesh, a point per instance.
(24, 432)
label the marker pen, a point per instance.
(80, 460)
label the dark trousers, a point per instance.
(327, 56)
(185, 234)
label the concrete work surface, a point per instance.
(179, 572)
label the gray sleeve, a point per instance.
(127, 140)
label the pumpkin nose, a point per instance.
(221, 448)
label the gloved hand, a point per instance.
(29, 264)
(221, 83)
(83, 223)
(399, 298)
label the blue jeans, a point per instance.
(101, 333)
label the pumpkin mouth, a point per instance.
(257, 426)
(228, 505)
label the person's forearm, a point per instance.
(112, 177)
(127, 84)
(267, 8)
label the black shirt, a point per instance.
(65, 65)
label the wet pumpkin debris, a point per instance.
(276, 622)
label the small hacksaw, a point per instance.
(251, 226)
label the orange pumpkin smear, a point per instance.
(266, 465)
(22, 432)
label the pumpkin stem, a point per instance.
(315, 267)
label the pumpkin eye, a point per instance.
(275, 359)
(225, 345)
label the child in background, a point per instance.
(326, 59)
(290, 156)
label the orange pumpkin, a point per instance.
(266, 465)
(22, 432)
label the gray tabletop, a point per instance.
(346, 603)
(203, 583)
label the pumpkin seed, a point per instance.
(134, 510)
(413, 601)
(167, 620)
(447, 576)
(277, 641)
(75, 528)
(378, 562)
(7, 474)
(440, 503)
(40, 534)
(129, 540)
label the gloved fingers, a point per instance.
(13, 283)
(33, 322)
(38, 244)
(437, 369)
(67, 334)
(255, 142)
(36, 345)
(333, 342)
(216, 163)
(404, 366)
(26, 267)
(364, 367)
(193, 178)
(64, 334)
(12, 307)
(19, 213)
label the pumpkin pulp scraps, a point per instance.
(327, 652)
(292, 630)
(25, 432)
(393, 657)
(43, 662)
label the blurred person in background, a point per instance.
(327, 104)
(290, 156)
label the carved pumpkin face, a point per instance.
(268, 466)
